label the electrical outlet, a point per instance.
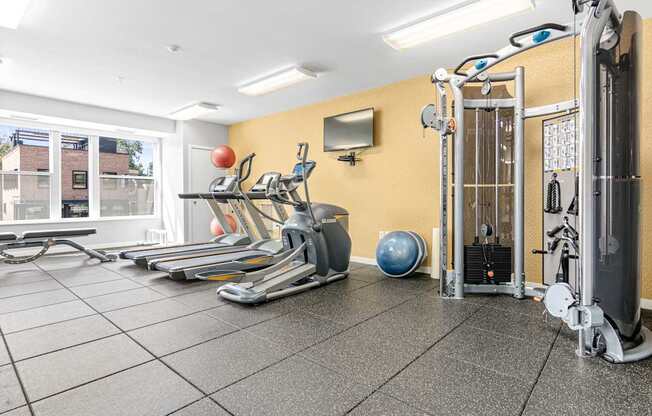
(382, 234)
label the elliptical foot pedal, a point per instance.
(221, 276)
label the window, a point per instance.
(74, 176)
(79, 179)
(95, 176)
(127, 182)
(24, 173)
(43, 181)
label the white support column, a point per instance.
(55, 175)
(94, 177)
(157, 178)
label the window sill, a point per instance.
(80, 220)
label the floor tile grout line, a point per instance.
(299, 352)
(18, 377)
(536, 381)
(483, 368)
(155, 358)
(108, 293)
(501, 334)
(85, 383)
(67, 347)
(197, 401)
(92, 283)
(52, 323)
(377, 389)
(507, 310)
(37, 307)
(35, 292)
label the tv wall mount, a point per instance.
(351, 158)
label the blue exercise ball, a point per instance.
(400, 253)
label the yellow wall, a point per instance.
(396, 184)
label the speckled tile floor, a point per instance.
(86, 339)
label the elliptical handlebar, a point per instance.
(274, 193)
(247, 162)
(302, 155)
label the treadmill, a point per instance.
(256, 256)
(231, 239)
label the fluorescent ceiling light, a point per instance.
(277, 81)
(12, 12)
(193, 111)
(461, 17)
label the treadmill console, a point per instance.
(261, 184)
(298, 170)
(223, 184)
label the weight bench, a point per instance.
(45, 240)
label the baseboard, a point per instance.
(372, 262)
(646, 304)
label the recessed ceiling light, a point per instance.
(173, 48)
(195, 110)
(460, 17)
(277, 81)
(12, 12)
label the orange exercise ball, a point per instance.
(223, 157)
(216, 228)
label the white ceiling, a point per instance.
(112, 53)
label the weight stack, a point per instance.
(474, 270)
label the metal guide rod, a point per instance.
(519, 183)
(443, 191)
(458, 97)
(497, 173)
(477, 172)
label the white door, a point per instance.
(202, 173)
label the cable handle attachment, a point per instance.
(535, 29)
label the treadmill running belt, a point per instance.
(170, 266)
(132, 255)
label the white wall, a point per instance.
(197, 133)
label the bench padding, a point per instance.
(64, 233)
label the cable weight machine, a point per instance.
(602, 302)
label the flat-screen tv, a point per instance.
(349, 131)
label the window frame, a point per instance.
(93, 174)
(80, 186)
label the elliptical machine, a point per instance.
(317, 234)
